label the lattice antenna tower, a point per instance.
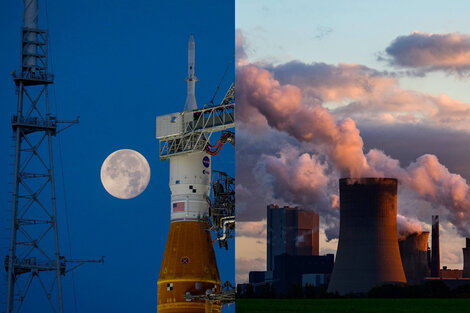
(34, 263)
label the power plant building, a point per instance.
(292, 231)
(413, 252)
(368, 253)
(295, 270)
(466, 259)
(292, 251)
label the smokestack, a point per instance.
(413, 252)
(429, 257)
(435, 255)
(466, 259)
(367, 253)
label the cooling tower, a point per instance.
(367, 253)
(413, 252)
(466, 259)
(435, 254)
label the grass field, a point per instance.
(354, 305)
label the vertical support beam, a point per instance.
(54, 208)
(14, 210)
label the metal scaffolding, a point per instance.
(34, 242)
(196, 127)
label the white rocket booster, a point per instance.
(190, 174)
(191, 80)
(190, 185)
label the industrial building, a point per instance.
(413, 252)
(293, 231)
(300, 270)
(466, 259)
(292, 252)
(452, 278)
(368, 253)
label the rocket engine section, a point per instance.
(367, 254)
(188, 266)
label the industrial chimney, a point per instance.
(413, 252)
(367, 253)
(466, 259)
(435, 255)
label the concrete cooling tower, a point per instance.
(413, 252)
(367, 253)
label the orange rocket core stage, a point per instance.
(188, 265)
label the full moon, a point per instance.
(125, 174)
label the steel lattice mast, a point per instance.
(34, 243)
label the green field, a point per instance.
(354, 305)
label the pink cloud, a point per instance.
(428, 52)
(251, 229)
(283, 110)
(341, 142)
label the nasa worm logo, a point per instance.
(206, 161)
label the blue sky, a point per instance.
(118, 65)
(349, 32)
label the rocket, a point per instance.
(191, 80)
(189, 265)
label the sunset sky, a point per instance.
(328, 90)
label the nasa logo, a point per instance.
(185, 260)
(206, 161)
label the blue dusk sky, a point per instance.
(117, 64)
(396, 73)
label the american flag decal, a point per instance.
(178, 207)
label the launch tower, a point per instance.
(189, 279)
(34, 243)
